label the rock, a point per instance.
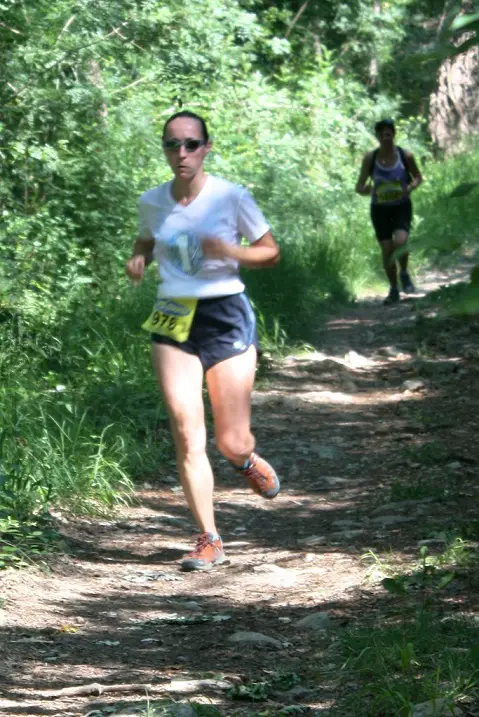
(454, 466)
(393, 519)
(303, 359)
(413, 385)
(268, 568)
(330, 365)
(179, 710)
(315, 621)
(191, 686)
(348, 385)
(327, 482)
(328, 397)
(4, 619)
(176, 709)
(355, 360)
(436, 708)
(295, 694)
(240, 529)
(191, 605)
(260, 399)
(294, 472)
(347, 534)
(278, 577)
(313, 540)
(390, 351)
(431, 541)
(400, 505)
(292, 403)
(327, 452)
(334, 481)
(147, 576)
(256, 639)
(344, 523)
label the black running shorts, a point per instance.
(386, 220)
(223, 327)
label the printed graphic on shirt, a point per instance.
(172, 307)
(184, 251)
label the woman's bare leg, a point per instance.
(180, 376)
(230, 384)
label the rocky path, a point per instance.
(383, 407)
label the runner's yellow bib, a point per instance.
(172, 318)
(389, 192)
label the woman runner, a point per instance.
(389, 174)
(203, 324)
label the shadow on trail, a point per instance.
(154, 646)
(369, 470)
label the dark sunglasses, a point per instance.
(191, 145)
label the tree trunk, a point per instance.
(374, 64)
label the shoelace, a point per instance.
(203, 541)
(253, 472)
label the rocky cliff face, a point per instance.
(454, 105)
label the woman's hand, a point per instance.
(141, 257)
(135, 267)
(214, 248)
(262, 253)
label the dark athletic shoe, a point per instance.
(208, 552)
(261, 477)
(393, 296)
(407, 285)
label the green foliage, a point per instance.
(458, 35)
(262, 690)
(87, 89)
(415, 654)
(24, 543)
(407, 660)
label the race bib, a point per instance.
(172, 318)
(389, 192)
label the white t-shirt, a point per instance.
(223, 210)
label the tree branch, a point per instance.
(65, 27)
(12, 29)
(95, 689)
(296, 18)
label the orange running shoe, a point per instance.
(208, 552)
(261, 476)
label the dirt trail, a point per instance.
(344, 431)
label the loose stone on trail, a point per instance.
(255, 639)
(192, 686)
(393, 519)
(315, 621)
(413, 385)
(436, 708)
(313, 540)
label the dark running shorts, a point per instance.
(223, 327)
(386, 220)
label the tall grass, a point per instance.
(79, 409)
(80, 413)
(446, 206)
(329, 251)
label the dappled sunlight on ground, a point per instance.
(373, 436)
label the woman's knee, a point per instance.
(189, 433)
(235, 445)
(400, 237)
